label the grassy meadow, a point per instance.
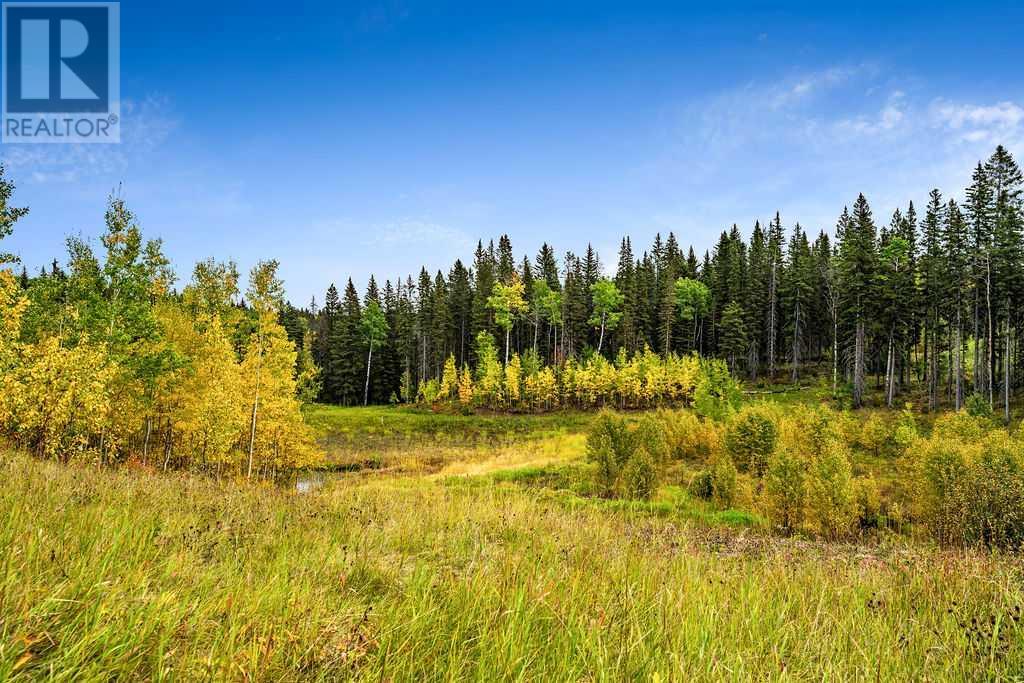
(450, 547)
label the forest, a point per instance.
(926, 300)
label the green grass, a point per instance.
(419, 440)
(133, 575)
(404, 424)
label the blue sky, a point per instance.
(348, 138)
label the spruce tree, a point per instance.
(857, 258)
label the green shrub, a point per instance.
(609, 446)
(723, 481)
(716, 484)
(751, 440)
(650, 435)
(639, 478)
(702, 485)
(962, 427)
(717, 394)
(978, 406)
(906, 432)
(943, 488)
(997, 511)
(873, 435)
(628, 459)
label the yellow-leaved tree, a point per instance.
(277, 436)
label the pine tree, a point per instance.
(343, 379)
(734, 334)
(775, 242)
(933, 279)
(424, 324)
(1007, 259)
(460, 308)
(484, 278)
(979, 209)
(857, 257)
(506, 262)
(957, 282)
(625, 280)
(755, 301)
(795, 293)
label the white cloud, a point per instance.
(145, 125)
(993, 124)
(791, 91)
(888, 119)
(1001, 115)
(729, 158)
(408, 232)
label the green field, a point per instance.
(469, 548)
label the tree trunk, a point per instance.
(366, 389)
(890, 372)
(1006, 370)
(600, 342)
(796, 344)
(933, 367)
(145, 442)
(991, 356)
(255, 405)
(858, 366)
(978, 375)
(958, 363)
(168, 444)
(771, 324)
(835, 352)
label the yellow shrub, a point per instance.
(970, 492)
(785, 490)
(831, 500)
(868, 501)
(873, 435)
(688, 437)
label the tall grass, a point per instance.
(134, 575)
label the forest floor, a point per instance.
(450, 547)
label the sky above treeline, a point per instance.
(348, 138)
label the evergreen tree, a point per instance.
(796, 295)
(933, 282)
(857, 257)
(343, 379)
(734, 334)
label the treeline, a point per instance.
(104, 360)
(924, 301)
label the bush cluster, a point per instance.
(968, 482)
(962, 483)
(628, 456)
